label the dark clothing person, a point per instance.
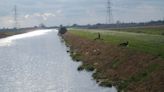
(98, 37)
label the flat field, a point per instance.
(149, 40)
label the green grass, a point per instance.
(75, 56)
(150, 43)
(159, 30)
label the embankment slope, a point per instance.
(130, 70)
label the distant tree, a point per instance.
(62, 30)
(42, 25)
(35, 27)
(74, 25)
(118, 22)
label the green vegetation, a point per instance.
(104, 81)
(75, 56)
(87, 67)
(5, 34)
(106, 84)
(123, 67)
(150, 43)
(80, 68)
(159, 30)
(137, 67)
(99, 75)
(10, 32)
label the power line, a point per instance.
(109, 13)
(15, 17)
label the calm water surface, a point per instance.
(37, 62)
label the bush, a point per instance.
(80, 68)
(106, 84)
(89, 68)
(75, 56)
(163, 33)
(62, 30)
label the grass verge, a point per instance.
(125, 67)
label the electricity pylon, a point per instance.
(15, 17)
(109, 13)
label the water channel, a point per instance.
(38, 62)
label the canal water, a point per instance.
(38, 62)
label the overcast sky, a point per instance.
(68, 12)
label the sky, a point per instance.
(68, 12)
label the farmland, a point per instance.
(147, 41)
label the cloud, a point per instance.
(67, 12)
(140, 13)
(26, 16)
(6, 21)
(44, 16)
(59, 11)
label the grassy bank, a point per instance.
(132, 69)
(6, 34)
(156, 30)
(150, 43)
(9, 32)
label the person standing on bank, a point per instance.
(98, 36)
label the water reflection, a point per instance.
(40, 63)
(7, 41)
